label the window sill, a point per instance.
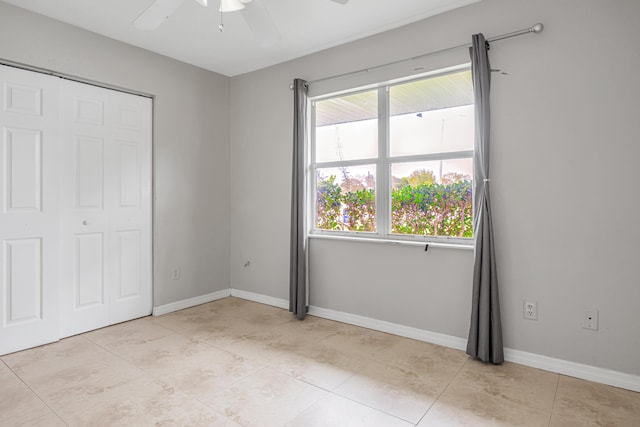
(393, 242)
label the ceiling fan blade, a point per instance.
(340, 1)
(259, 21)
(156, 14)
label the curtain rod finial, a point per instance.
(537, 28)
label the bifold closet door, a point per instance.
(105, 208)
(29, 209)
(75, 208)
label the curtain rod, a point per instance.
(537, 28)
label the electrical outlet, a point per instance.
(590, 319)
(175, 273)
(530, 310)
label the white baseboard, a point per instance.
(390, 328)
(263, 299)
(190, 302)
(573, 369)
(559, 366)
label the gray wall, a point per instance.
(564, 183)
(191, 141)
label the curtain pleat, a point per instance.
(485, 332)
(298, 267)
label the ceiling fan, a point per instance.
(253, 12)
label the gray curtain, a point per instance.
(298, 268)
(485, 332)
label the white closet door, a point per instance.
(129, 201)
(29, 210)
(84, 216)
(105, 196)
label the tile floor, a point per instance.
(234, 362)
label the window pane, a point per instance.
(432, 198)
(346, 198)
(347, 127)
(432, 116)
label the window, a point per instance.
(395, 162)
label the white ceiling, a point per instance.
(191, 34)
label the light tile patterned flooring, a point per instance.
(235, 362)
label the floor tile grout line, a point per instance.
(34, 393)
(264, 368)
(151, 375)
(197, 399)
(444, 389)
(555, 396)
(386, 363)
(333, 391)
(120, 357)
(309, 408)
(370, 407)
(376, 360)
(310, 383)
(158, 378)
(327, 394)
(330, 334)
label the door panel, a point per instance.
(129, 259)
(88, 110)
(89, 161)
(130, 204)
(22, 99)
(84, 220)
(129, 118)
(23, 168)
(89, 279)
(108, 136)
(23, 267)
(29, 211)
(129, 174)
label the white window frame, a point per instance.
(383, 164)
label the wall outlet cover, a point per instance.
(530, 310)
(590, 319)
